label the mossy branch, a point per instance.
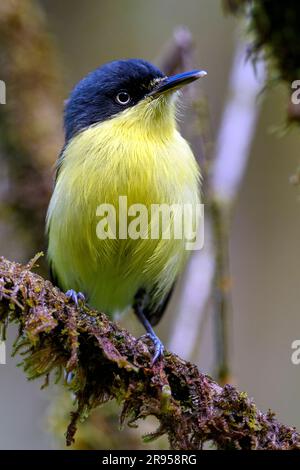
(275, 35)
(104, 362)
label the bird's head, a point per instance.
(133, 90)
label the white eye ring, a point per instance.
(123, 98)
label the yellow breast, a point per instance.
(119, 157)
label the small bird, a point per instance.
(121, 139)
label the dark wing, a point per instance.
(153, 314)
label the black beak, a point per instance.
(176, 81)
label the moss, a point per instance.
(105, 363)
(274, 35)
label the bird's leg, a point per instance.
(138, 307)
(75, 296)
(68, 376)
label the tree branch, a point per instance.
(222, 179)
(275, 35)
(106, 362)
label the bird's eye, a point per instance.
(123, 98)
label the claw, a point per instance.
(81, 296)
(158, 347)
(75, 296)
(68, 377)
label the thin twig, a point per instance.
(229, 167)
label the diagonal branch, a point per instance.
(105, 362)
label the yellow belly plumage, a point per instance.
(150, 163)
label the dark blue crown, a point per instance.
(94, 98)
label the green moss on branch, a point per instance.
(108, 363)
(274, 34)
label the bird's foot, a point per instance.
(158, 347)
(75, 297)
(68, 377)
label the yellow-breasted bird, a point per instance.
(121, 139)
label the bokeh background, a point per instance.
(264, 235)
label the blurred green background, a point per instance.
(265, 236)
